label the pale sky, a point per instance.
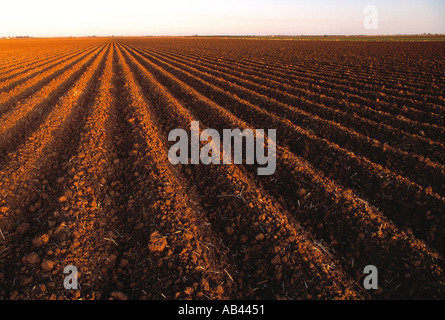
(49, 18)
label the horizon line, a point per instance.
(230, 35)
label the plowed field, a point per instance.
(85, 179)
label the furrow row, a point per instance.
(24, 74)
(354, 88)
(331, 103)
(354, 172)
(18, 124)
(254, 218)
(32, 185)
(356, 226)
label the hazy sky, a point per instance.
(206, 17)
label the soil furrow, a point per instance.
(22, 75)
(387, 155)
(360, 223)
(158, 203)
(20, 63)
(355, 172)
(330, 104)
(14, 97)
(32, 193)
(248, 218)
(345, 73)
(19, 124)
(359, 87)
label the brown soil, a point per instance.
(85, 179)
